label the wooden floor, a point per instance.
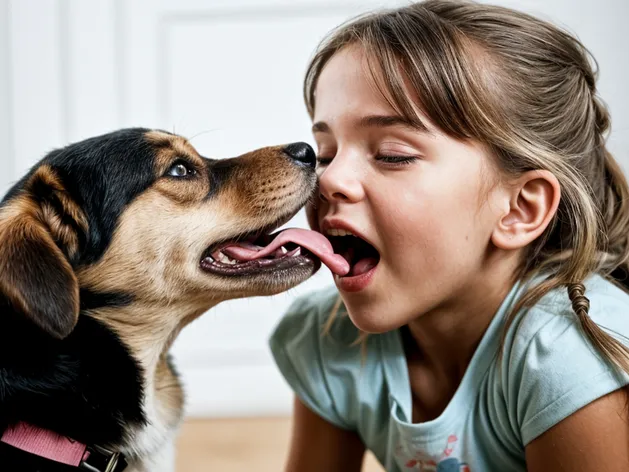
(238, 445)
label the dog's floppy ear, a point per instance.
(38, 233)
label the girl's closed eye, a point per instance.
(325, 154)
(323, 161)
(397, 154)
(396, 160)
(387, 159)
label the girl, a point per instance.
(464, 177)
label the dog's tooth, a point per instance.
(297, 252)
(223, 258)
(283, 249)
(232, 261)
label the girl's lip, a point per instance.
(336, 223)
(355, 283)
(350, 283)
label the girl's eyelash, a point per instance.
(388, 159)
(397, 160)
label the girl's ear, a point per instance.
(532, 203)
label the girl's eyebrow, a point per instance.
(377, 121)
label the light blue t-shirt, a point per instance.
(548, 370)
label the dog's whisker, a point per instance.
(201, 133)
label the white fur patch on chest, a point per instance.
(163, 417)
(159, 429)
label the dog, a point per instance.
(108, 248)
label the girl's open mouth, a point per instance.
(361, 256)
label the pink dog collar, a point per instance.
(45, 443)
(55, 447)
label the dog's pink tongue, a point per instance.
(311, 240)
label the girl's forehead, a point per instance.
(345, 72)
(348, 81)
(351, 86)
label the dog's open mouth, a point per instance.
(254, 254)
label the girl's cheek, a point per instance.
(312, 210)
(313, 218)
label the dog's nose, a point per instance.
(302, 153)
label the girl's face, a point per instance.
(419, 202)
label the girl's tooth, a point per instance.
(339, 232)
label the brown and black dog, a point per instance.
(108, 248)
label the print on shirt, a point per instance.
(445, 462)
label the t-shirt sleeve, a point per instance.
(554, 370)
(296, 345)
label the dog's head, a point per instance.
(139, 216)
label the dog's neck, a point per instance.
(125, 393)
(86, 386)
(149, 329)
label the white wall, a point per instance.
(601, 25)
(227, 74)
(7, 170)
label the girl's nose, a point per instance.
(341, 181)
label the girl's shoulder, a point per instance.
(608, 308)
(549, 368)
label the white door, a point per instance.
(228, 75)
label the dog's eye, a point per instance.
(180, 169)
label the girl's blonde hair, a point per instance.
(526, 90)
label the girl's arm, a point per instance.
(318, 445)
(593, 439)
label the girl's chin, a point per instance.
(369, 321)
